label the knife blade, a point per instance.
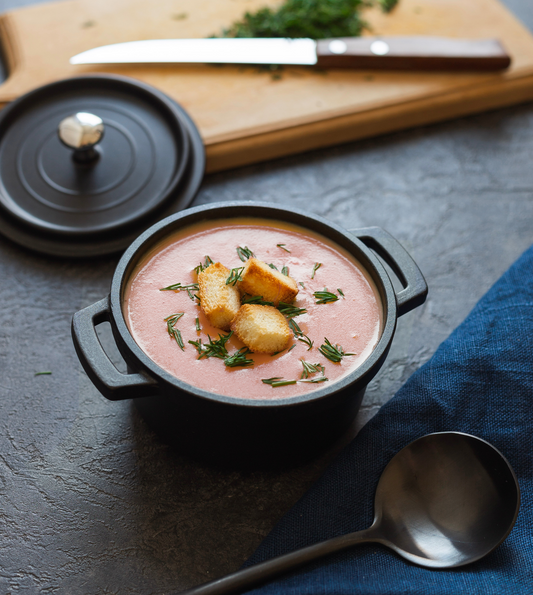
(397, 53)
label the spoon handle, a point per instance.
(245, 579)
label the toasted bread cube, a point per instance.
(220, 302)
(263, 329)
(259, 279)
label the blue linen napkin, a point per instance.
(480, 381)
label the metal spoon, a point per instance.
(445, 500)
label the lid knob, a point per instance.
(81, 132)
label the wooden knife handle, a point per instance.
(412, 53)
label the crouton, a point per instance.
(259, 279)
(263, 329)
(220, 302)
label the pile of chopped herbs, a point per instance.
(317, 19)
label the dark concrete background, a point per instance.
(91, 502)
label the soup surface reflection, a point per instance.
(352, 322)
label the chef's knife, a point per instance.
(398, 53)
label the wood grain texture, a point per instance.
(246, 115)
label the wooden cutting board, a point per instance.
(247, 116)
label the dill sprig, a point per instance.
(235, 275)
(285, 271)
(179, 287)
(197, 323)
(283, 247)
(244, 253)
(305, 339)
(273, 266)
(278, 381)
(202, 266)
(334, 353)
(239, 358)
(256, 299)
(295, 328)
(215, 348)
(340, 292)
(289, 310)
(309, 369)
(174, 332)
(316, 266)
(325, 297)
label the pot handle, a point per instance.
(415, 288)
(114, 385)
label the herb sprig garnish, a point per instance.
(256, 299)
(325, 297)
(316, 266)
(179, 287)
(239, 358)
(273, 266)
(305, 339)
(283, 247)
(311, 369)
(197, 323)
(278, 381)
(244, 253)
(215, 348)
(285, 271)
(202, 266)
(295, 328)
(174, 332)
(334, 353)
(235, 275)
(289, 310)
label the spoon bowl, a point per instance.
(445, 500)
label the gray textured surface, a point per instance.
(90, 500)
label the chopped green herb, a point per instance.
(274, 382)
(239, 358)
(215, 348)
(295, 328)
(305, 339)
(311, 369)
(285, 271)
(316, 266)
(307, 18)
(179, 287)
(235, 276)
(333, 352)
(289, 310)
(197, 322)
(291, 347)
(340, 292)
(283, 247)
(256, 299)
(174, 332)
(314, 380)
(325, 297)
(301, 284)
(273, 266)
(245, 253)
(202, 266)
(42, 373)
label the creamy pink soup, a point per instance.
(353, 321)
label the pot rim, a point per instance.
(361, 375)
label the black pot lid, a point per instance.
(127, 155)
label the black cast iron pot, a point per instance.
(234, 430)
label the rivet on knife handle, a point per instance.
(412, 53)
